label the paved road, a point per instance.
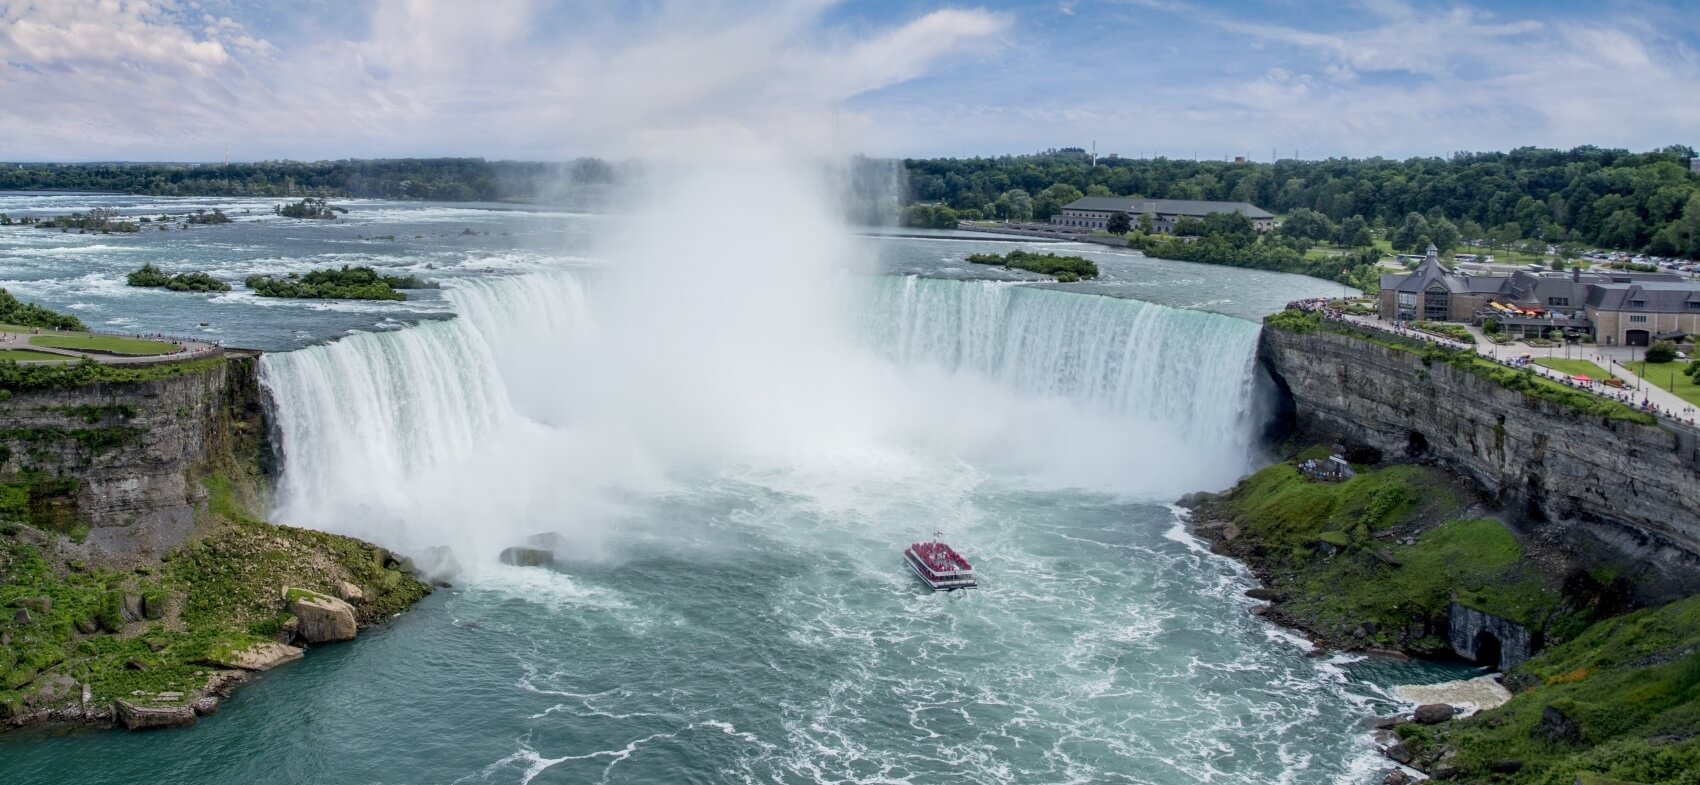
(187, 350)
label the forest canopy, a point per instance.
(1603, 198)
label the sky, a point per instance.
(199, 80)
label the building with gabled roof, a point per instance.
(1614, 307)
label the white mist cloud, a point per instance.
(115, 79)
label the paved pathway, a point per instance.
(187, 349)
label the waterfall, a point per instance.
(1188, 368)
(540, 399)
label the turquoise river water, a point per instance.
(728, 467)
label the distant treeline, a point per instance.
(437, 179)
(1602, 198)
(1598, 197)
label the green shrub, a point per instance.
(1661, 352)
(147, 275)
(1456, 332)
(196, 282)
(1294, 320)
(14, 312)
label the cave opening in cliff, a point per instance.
(1487, 649)
(1416, 444)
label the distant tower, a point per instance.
(1094, 153)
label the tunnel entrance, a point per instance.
(1487, 650)
(1416, 445)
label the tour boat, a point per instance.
(938, 566)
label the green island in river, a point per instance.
(348, 283)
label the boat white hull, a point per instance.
(941, 583)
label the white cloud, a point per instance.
(113, 78)
(1392, 79)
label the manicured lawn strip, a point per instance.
(1669, 376)
(25, 355)
(1574, 367)
(111, 344)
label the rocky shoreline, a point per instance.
(1212, 519)
(1399, 560)
(162, 661)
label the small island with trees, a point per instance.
(150, 277)
(1067, 269)
(348, 283)
(311, 208)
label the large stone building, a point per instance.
(1093, 212)
(1613, 307)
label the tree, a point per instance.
(1411, 236)
(1505, 236)
(1015, 205)
(1119, 224)
(147, 276)
(1444, 235)
(1557, 264)
(930, 216)
(1097, 189)
(1661, 352)
(1471, 231)
(1147, 223)
(1622, 229)
(1188, 226)
(1050, 201)
(1354, 233)
(1307, 224)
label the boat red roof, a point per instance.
(940, 556)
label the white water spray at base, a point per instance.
(557, 398)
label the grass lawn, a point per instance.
(25, 355)
(105, 343)
(1662, 375)
(1574, 367)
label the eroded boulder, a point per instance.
(258, 657)
(520, 556)
(348, 592)
(1432, 714)
(1399, 753)
(1558, 727)
(323, 618)
(136, 717)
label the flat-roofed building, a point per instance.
(1094, 212)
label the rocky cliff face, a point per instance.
(1622, 495)
(116, 465)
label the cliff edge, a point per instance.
(1623, 495)
(138, 583)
